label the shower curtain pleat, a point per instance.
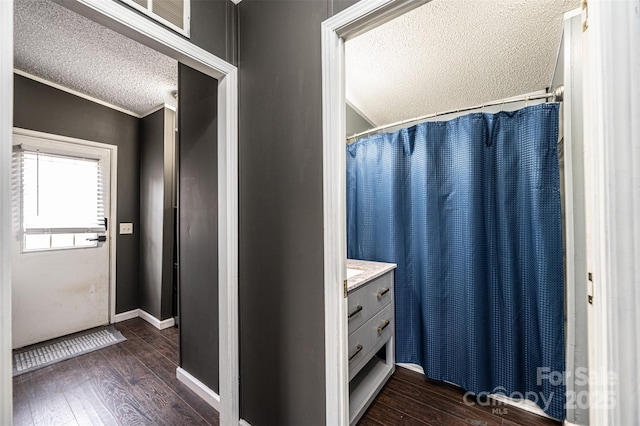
(469, 209)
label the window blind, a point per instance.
(61, 194)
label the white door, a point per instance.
(60, 263)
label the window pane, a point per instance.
(37, 242)
(81, 240)
(61, 240)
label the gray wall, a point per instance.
(151, 205)
(156, 214)
(45, 109)
(355, 123)
(337, 6)
(214, 27)
(282, 375)
(198, 225)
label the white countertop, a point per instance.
(370, 271)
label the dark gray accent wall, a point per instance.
(45, 109)
(340, 5)
(156, 213)
(151, 205)
(214, 27)
(282, 372)
(198, 225)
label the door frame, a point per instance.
(113, 200)
(612, 141)
(357, 19)
(143, 30)
(6, 129)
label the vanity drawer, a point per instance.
(366, 301)
(368, 339)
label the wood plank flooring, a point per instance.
(134, 383)
(130, 383)
(409, 399)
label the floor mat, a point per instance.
(32, 358)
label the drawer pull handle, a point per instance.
(358, 349)
(383, 292)
(386, 323)
(358, 309)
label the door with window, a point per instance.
(60, 259)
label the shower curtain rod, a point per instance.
(556, 94)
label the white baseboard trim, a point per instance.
(135, 313)
(126, 316)
(209, 396)
(160, 325)
(566, 422)
(243, 422)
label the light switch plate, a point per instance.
(126, 228)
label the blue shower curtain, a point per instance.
(469, 209)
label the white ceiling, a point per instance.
(450, 54)
(58, 45)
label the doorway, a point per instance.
(62, 271)
(336, 31)
(138, 28)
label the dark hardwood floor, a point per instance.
(130, 383)
(409, 399)
(134, 383)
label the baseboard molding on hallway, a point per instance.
(126, 316)
(135, 313)
(209, 396)
(160, 325)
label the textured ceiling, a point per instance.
(56, 44)
(450, 54)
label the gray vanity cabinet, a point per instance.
(371, 337)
